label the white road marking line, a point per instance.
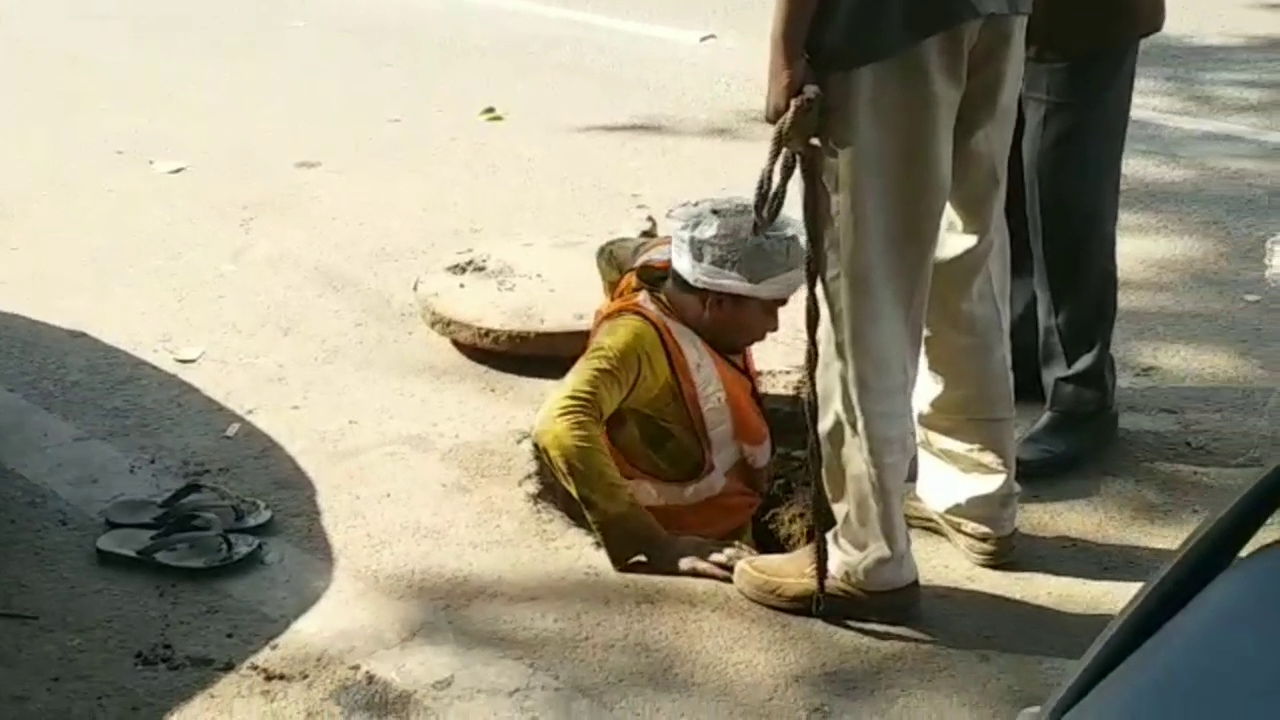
(1205, 125)
(696, 37)
(333, 614)
(660, 32)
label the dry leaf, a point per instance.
(491, 114)
(168, 167)
(187, 355)
(642, 223)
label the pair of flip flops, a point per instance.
(199, 526)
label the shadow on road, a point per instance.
(531, 367)
(964, 619)
(119, 641)
(602, 655)
(737, 127)
(1085, 559)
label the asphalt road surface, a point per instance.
(331, 151)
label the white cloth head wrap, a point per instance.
(714, 248)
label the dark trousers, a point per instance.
(1062, 206)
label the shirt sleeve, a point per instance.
(570, 434)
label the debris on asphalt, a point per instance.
(1271, 268)
(443, 683)
(267, 674)
(1251, 298)
(15, 615)
(163, 655)
(231, 430)
(168, 167)
(641, 223)
(187, 355)
(307, 164)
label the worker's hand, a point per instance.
(697, 557)
(787, 75)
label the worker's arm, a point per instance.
(570, 434)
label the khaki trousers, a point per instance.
(916, 289)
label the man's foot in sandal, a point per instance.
(192, 541)
(236, 512)
(978, 545)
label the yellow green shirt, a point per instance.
(624, 387)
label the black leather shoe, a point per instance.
(1059, 442)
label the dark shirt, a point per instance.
(1073, 29)
(851, 33)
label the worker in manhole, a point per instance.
(658, 431)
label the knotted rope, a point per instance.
(792, 146)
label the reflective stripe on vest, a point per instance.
(758, 456)
(656, 255)
(725, 450)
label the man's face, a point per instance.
(736, 323)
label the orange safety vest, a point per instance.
(722, 401)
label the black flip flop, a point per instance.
(237, 513)
(191, 541)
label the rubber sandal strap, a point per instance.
(197, 506)
(181, 501)
(170, 541)
(185, 529)
(194, 487)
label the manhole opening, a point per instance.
(783, 520)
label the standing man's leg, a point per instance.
(1024, 329)
(893, 148)
(965, 488)
(1076, 117)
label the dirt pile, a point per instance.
(784, 520)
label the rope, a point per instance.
(791, 146)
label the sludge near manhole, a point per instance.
(784, 519)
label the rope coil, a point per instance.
(792, 146)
